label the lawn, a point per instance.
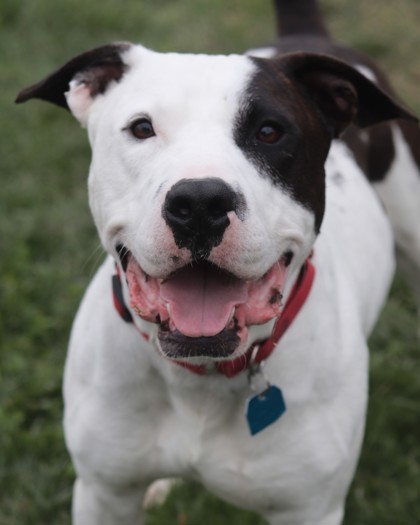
(50, 249)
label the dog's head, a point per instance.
(207, 177)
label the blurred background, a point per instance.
(49, 248)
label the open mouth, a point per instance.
(203, 310)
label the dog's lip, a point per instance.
(202, 300)
(176, 345)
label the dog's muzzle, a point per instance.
(203, 310)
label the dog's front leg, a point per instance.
(97, 503)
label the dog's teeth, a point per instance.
(168, 310)
(232, 313)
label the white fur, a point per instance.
(262, 52)
(400, 194)
(131, 416)
(367, 72)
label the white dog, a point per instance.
(211, 178)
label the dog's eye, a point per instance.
(142, 129)
(269, 133)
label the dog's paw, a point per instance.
(158, 491)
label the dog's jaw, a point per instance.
(202, 310)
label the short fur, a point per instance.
(223, 170)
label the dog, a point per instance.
(224, 337)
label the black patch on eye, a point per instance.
(270, 133)
(271, 156)
(295, 151)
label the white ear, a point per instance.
(79, 100)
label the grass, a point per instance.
(50, 249)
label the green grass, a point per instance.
(50, 249)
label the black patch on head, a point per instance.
(374, 151)
(296, 162)
(312, 99)
(374, 156)
(411, 133)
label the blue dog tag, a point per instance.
(264, 409)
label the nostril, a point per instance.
(217, 212)
(184, 211)
(180, 207)
(217, 207)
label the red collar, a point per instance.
(296, 300)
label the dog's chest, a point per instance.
(201, 433)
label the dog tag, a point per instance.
(263, 409)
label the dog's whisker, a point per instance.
(94, 260)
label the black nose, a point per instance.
(196, 210)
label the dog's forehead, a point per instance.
(212, 83)
(195, 71)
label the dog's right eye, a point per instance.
(142, 129)
(269, 133)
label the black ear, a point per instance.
(95, 69)
(342, 93)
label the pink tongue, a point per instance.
(201, 299)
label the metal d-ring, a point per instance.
(255, 372)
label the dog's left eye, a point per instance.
(269, 133)
(142, 129)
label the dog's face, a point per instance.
(207, 177)
(192, 183)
